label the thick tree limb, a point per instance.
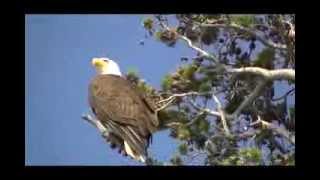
(267, 75)
(277, 74)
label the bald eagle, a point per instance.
(122, 109)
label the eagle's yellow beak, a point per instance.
(99, 63)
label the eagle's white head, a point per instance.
(106, 66)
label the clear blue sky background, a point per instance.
(58, 51)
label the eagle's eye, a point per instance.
(105, 60)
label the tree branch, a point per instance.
(283, 96)
(195, 119)
(96, 123)
(256, 92)
(222, 115)
(203, 53)
(268, 75)
(277, 74)
(265, 41)
(170, 99)
(206, 110)
(278, 130)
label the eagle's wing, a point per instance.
(122, 109)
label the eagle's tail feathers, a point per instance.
(134, 155)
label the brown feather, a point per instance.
(122, 108)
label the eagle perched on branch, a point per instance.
(122, 109)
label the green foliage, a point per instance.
(200, 75)
(212, 16)
(199, 18)
(171, 115)
(292, 113)
(264, 58)
(204, 87)
(248, 156)
(166, 82)
(154, 162)
(243, 20)
(183, 133)
(183, 148)
(264, 134)
(231, 160)
(132, 73)
(291, 120)
(188, 71)
(148, 23)
(291, 160)
(132, 76)
(176, 160)
(234, 103)
(169, 37)
(209, 35)
(178, 116)
(144, 87)
(253, 155)
(203, 125)
(158, 35)
(283, 159)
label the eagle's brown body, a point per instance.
(124, 111)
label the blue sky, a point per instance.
(58, 50)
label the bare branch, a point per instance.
(165, 105)
(222, 115)
(206, 110)
(170, 99)
(248, 134)
(178, 95)
(202, 52)
(173, 124)
(283, 96)
(269, 74)
(195, 119)
(278, 130)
